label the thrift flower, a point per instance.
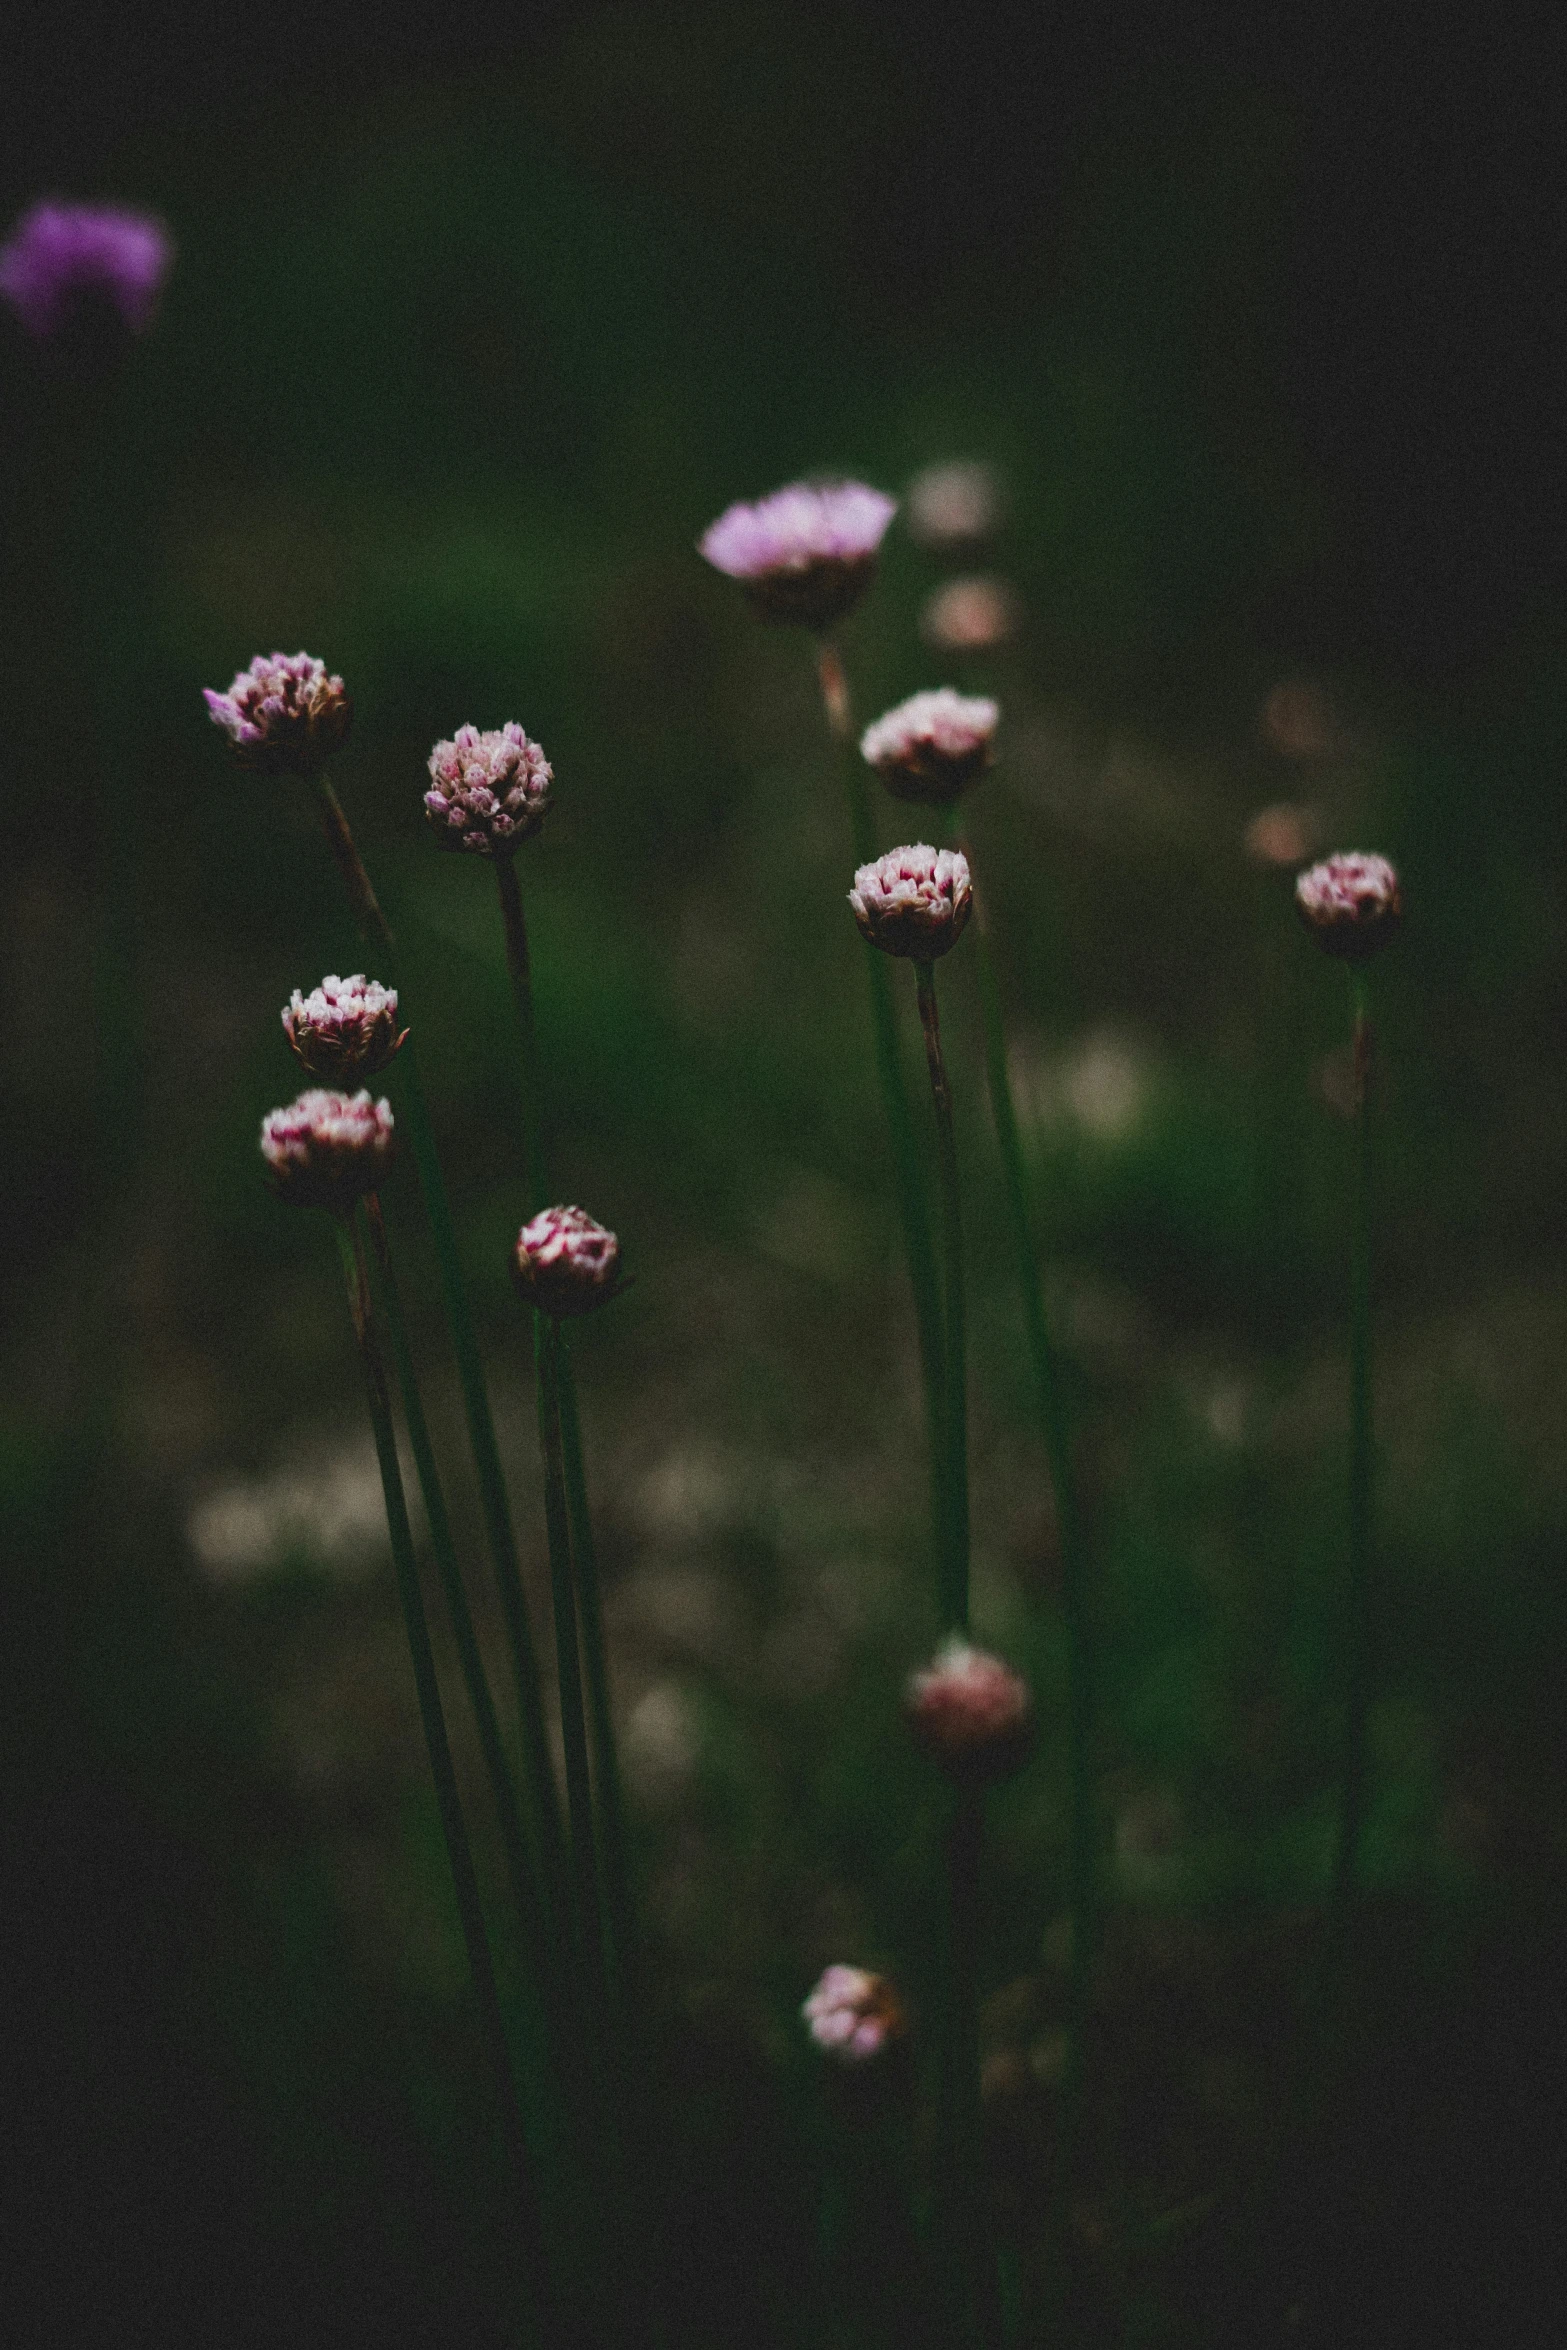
(971, 1713)
(854, 2015)
(933, 746)
(566, 1263)
(60, 256)
(489, 791)
(807, 553)
(283, 715)
(913, 901)
(345, 1028)
(327, 1149)
(1351, 904)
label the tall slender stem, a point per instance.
(459, 1852)
(955, 1566)
(1360, 1469)
(514, 924)
(500, 1537)
(961, 2209)
(579, 1789)
(913, 1211)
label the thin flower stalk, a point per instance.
(913, 1207)
(500, 1536)
(960, 2209)
(955, 1566)
(454, 1827)
(1351, 1818)
(579, 1789)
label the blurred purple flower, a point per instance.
(1352, 904)
(59, 253)
(488, 791)
(853, 2014)
(283, 715)
(566, 1262)
(971, 1713)
(326, 1149)
(807, 553)
(932, 746)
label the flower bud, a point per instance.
(488, 791)
(913, 901)
(932, 746)
(345, 1028)
(566, 1263)
(283, 715)
(327, 1149)
(807, 553)
(971, 1713)
(1351, 904)
(854, 2015)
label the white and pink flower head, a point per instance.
(914, 901)
(62, 258)
(807, 553)
(488, 792)
(345, 1029)
(284, 715)
(854, 2015)
(934, 745)
(326, 1150)
(566, 1263)
(971, 1713)
(1352, 904)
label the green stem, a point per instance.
(499, 1534)
(1360, 1473)
(961, 2205)
(459, 1853)
(913, 1211)
(514, 923)
(955, 1558)
(579, 1787)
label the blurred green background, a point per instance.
(467, 340)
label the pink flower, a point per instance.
(970, 615)
(566, 1263)
(913, 901)
(932, 746)
(345, 1028)
(971, 1713)
(283, 715)
(1351, 904)
(807, 553)
(327, 1149)
(60, 254)
(489, 791)
(854, 2015)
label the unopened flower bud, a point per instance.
(854, 2015)
(327, 1149)
(913, 901)
(283, 715)
(1351, 904)
(345, 1028)
(807, 553)
(933, 746)
(566, 1263)
(971, 1713)
(488, 791)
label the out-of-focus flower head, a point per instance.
(488, 791)
(970, 615)
(60, 257)
(913, 901)
(1352, 904)
(566, 1263)
(327, 1149)
(933, 746)
(283, 715)
(971, 1713)
(854, 2015)
(345, 1028)
(805, 554)
(1284, 833)
(952, 505)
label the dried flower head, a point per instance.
(488, 791)
(60, 257)
(913, 901)
(283, 715)
(953, 504)
(933, 746)
(345, 1028)
(566, 1263)
(807, 553)
(854, 2015)
(971, 1713)
(970, 615)
(1351, 904)
(327, 1149)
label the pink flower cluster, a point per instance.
(345, 1028)
(283, 715)
(805, 554)
(932, 746)
(488, 791)
(971, 1713)
(854, 2015)
(327, 1149)
(914, 901)
(1352, 904)
(566, 1263)
(58, 255)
